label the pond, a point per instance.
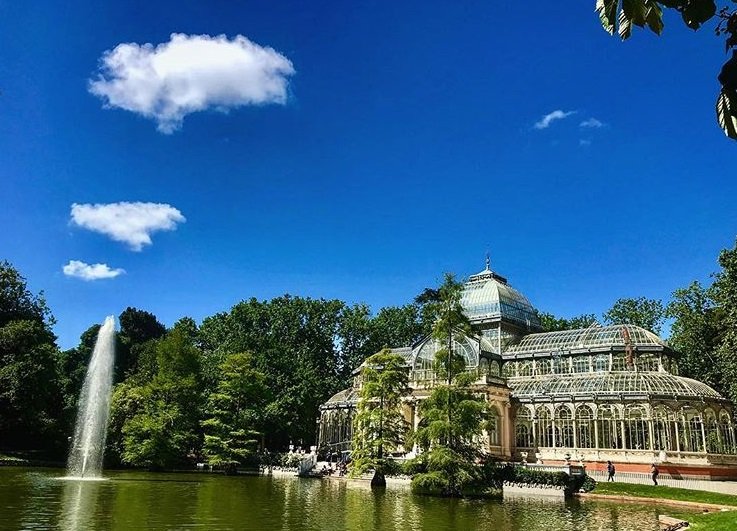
(39, 499)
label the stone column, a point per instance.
(652, 432)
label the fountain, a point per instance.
(85, 457)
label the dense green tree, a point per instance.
(137, 327)
(453, 417)
(162, 426)
(724, 294)
(695, 334)
(379, 427)
(234, 415)
(397, 326)
(641, 311)
(618, 16)
(551, 323)
(31, 401)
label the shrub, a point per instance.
(431, 483)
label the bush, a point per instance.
(418, 465)
(431, 483)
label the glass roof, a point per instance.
(585, 338)
(344, 397)
(610, 383)
(487, 295)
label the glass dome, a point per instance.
(488, 296)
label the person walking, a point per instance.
(654, 472)
(610, 471)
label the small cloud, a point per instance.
(190, 73)
(130, 223)
(584, 142)
(89, 272)
(591, 123)
(546, 120)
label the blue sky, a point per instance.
(402, 145)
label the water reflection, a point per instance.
(79, 504)
(139, 501)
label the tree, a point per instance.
(235, 413)
(73, 368)
(162, 426)
(551, 323)
(453, 417)
(618, 16)
(136, 328)
(379, 425)
(696, 333)
(31, 401)
(643, 312)
(724, 294)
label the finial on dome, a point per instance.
(488, 262)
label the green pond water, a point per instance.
(38, 499)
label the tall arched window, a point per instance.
(691, 440)
(711, 429)
(493, 427)
(664, 429)
(608, 423)
(584, 427)
(564, 423)
(523, 428)
(545, 427)
(636, 428)
(726, 430)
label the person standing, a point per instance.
(610, 471)
(654, 472)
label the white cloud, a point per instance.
(88, 272)
(131, 223)
(190, 73)
(546, 120)
(592, 123)
(584, 142)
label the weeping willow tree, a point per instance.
(379, 427)
(453, 416)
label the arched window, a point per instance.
(523, 428)
(542, 367)
(691, 440)
(581, 364)
(545, 428)
(524, 368)
(607, 420)
(726, 432)
(564, 423)
(664, 429)
(636, 428)
(493, 426)
(508, 369)
(601, 363)
(711, 430)
(494, 368)
(584, 427)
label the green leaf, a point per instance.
(696, 12)
(607, 10)
(727, 112)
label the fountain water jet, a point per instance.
(85, 457)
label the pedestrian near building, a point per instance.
(654, 472)
(610, 471)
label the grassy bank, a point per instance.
(716, 521)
